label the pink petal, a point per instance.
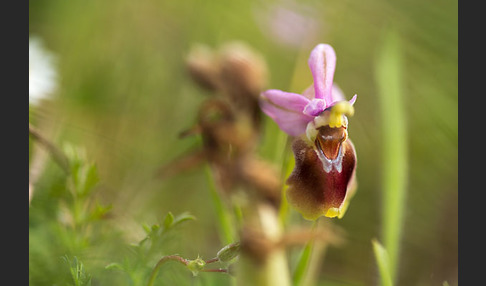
(286, 100)
(315, 107)
(286, 109)
(322, 63)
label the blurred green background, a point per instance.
(124, 95)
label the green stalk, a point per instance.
(162, 261)
(394, 145)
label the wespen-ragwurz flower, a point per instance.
(324, 176)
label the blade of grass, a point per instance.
(394, 144)
(383, 262)
(304, 259)
(226, 228)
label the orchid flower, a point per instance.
(323, 179)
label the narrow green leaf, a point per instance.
(226, 227)
(304, 259)
(99, 212)
(169, 219)
(155, 228)
(287, 167)
(301, 267)
(78, 273)
(182, 218)
(389, 77)
(146, 228)
(115, 266)
(383, 262)
(90, 179)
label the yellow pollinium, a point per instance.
(336, 118)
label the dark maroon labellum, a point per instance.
(323, 173)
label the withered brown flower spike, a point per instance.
(323, 179)
(229, 121)
(234, 71)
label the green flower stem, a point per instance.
(394, 145)
(165, 259)
(212, 260)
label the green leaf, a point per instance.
(146, 228)
(182, 218)
(383, 262)
(394, 152)
(90, 179)
(99, 212)
(301, 267)
(154, 233)
(226, 228)
(115, 266)
(155, 228)
(78, 272)
(168, 221)
(304, 260)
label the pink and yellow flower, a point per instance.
(323, 179)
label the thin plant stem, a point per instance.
(218, 270)
(162, 261)
(212, 260)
